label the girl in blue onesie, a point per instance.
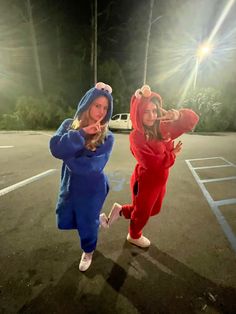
(84, 144)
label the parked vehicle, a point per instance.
(120, 121)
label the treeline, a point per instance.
(217, 113)
(44, 73)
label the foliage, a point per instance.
(110, 72)
(214, 111)
(36, 113)
(65, 49)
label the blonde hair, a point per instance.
(92, 141)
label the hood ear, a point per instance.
(138, 93)
(100, 89)
(141, 96)
(146, 91)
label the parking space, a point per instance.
(25, 160)
(217, 180)
(190, 260)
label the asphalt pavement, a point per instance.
(190, 266)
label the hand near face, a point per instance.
(169, 115)
(94, 128)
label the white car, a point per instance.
(120, 121)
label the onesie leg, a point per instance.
(143, 204)
(157, 206)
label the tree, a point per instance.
(35, 47)
(110, 72)
(207, 104)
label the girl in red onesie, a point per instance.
(151, 143)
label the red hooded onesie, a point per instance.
(154, 158)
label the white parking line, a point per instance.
(218, 179)
(215, 204)
(25, 182)
(9, 146)
(50, 135)
(210, 167)
(205, 158)
(228, 201)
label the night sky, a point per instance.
(64, 33)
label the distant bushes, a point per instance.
(36, 113)
(217, 112)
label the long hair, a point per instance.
(92, 141)
(153, 132)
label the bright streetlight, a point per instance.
(202, 52)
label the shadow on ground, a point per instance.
(138, 282)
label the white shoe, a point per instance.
(114, 213)
(103, 220)
(86, 260)
(141, 242)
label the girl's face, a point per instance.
(149, 115)
(98, 109)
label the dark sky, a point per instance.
(122, 30)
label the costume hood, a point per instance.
(138, 103)
(100, 89)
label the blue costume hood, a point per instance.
(99, 90)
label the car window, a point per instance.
(116, 117)
(124, 117)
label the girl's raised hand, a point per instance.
(169, 115)
(178, 148)
(94, 128)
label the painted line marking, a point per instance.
(230, 163)
(229, 201)
(206, 158)
(214, 204)
(50, 135)
(9, 146)
(209, 167)
(27, 181)
(218, 179)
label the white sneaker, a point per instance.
(86, 260)
(114, 213)
(141, 242)
(103, 220)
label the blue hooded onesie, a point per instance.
(84, 186)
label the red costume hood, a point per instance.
(137, 107)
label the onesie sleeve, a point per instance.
(146, 157)
(92, 162)
(66, 143)
(186, 122)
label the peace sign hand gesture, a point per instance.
(94, 128)
(169, 115)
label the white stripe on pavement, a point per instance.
(205, 158)
(214, 205)
(229, 201)
(9, 146)
(218, 179)
(50, 135)
(25, 182)
(210, 167)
